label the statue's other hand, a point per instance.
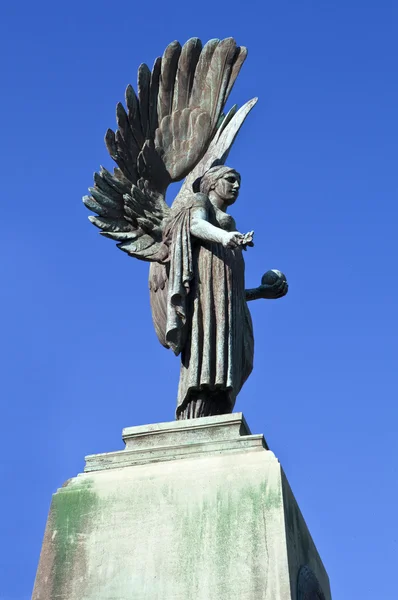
(273, 285)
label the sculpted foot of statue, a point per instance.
(176, 129)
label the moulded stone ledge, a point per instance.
(178, 440)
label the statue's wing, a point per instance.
(132, 215)
(194, 86)
(217, 152)
(165, 132)
(129, 203)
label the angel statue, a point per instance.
(173, 129)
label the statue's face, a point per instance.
(227, 187)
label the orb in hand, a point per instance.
(272, 277)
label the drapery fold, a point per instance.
(200, 309)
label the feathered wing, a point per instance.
(133, 215)
(220, 146)
(130, 208)
(165, 130)
(194, 86)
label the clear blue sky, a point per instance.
(318, 158)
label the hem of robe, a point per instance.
(231, 397)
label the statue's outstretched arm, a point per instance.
(203, 230)
(253, 294)
(273, 286)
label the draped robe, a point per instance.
(199, 307)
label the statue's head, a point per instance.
(222, 182)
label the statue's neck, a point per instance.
(217, 202)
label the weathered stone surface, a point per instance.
(175, 440)
(215, 524)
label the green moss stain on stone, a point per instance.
(72, 508)
(274, 499)
(225, 522)
(214, 525)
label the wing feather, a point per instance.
(109, 224)
(185, 73)
(124, 158)
(199, 92)
(151, 167)
(153, 97)
(225, 119)
(103, 184)
(182, 139)
(167, 79)
(91, 204)
(217, 79)
(127, 134)
(146, 249)
(121, 236)
(144, 82)
(134, 116)
(116, 184)
(118, 173)
(118, 151)
(110, 142)
(239, 60)
(108, 202)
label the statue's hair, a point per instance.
(208, 180)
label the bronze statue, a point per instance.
(176, 129)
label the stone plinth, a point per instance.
(189, 510)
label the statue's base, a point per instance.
(190, 510)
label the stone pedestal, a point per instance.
(189, 510)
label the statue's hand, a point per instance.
(273, 285)
(247, 240)
(234, 239)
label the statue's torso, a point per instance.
(221, 219)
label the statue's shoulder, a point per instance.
(199, 200)
(190, 201)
